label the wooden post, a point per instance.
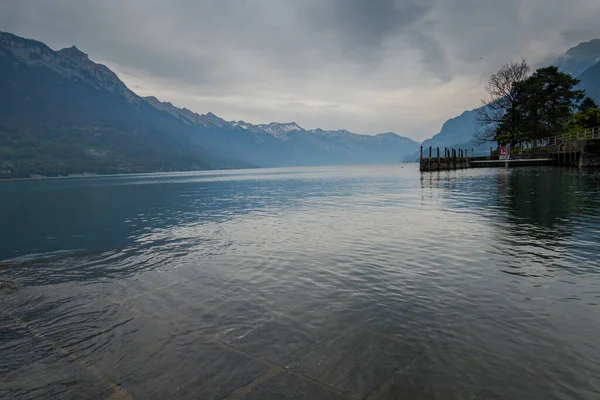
(421, 156)
(438, 158)
(559, 155)
(429, 159)
(571, 156)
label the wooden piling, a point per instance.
(438, 158)
(570, 157)
(421, 156)
(429, 159)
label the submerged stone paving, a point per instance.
(161, 335)
(181, 341)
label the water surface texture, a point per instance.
(309, 283)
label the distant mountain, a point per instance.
(280, 130)
(455, 133)
(581, 61)
(579, 58)
(590, 82)
(322, 147)
(188, 117)
(61, 113)
(456, 130)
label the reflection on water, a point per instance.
(309, 283)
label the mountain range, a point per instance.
(61, 113)
(581, 61)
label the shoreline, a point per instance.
(93, 175)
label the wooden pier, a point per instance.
(452, 159)
(523, 162)
(581, 149)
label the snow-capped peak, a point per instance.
(241, 124)
(278, 129)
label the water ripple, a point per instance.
(333, 282)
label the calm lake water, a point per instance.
(371, 282)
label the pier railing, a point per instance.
(587, 134)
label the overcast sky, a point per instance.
(368, 66)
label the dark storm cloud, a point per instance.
(384, 64)
(364, 24)
(362, 28)
(164, 37)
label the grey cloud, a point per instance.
(298, 104)
(363, 28)
(433, 54)
(364, 24)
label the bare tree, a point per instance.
(502, 99)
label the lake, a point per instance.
(365, 282)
